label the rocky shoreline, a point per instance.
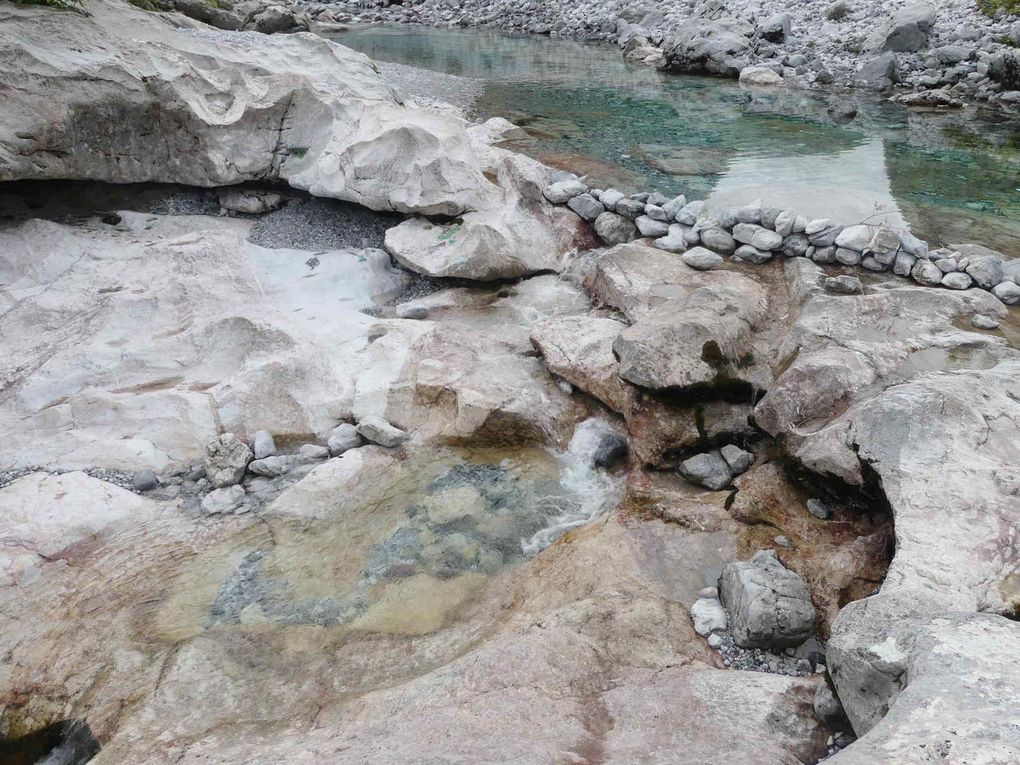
(372, 440)
(931, 54)
(755, 234)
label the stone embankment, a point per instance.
(757, 233)
(942, 52)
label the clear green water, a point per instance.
(950, 176)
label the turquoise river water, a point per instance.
(951, 176)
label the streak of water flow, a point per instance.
(590, 492)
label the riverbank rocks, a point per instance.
(377, 431)
(755, 234)
(708, 470)
(768, 605)
(343, 438)
(227, 458)
(708, 616)
(229, 499)
(262, 444)
(709, 47)
(615, 229)
(759, 75)
(906, 30)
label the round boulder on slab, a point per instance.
(144, 480)
(614, 229)
(651, 227)
(708, 616)
(343, 438)
(271, 467)
(378, 431)
(768, 605)
(1008, 292)
(738, 459)
(630, 208)
(957, 280)
(702, 259)
(709, 470)
(757, 236)
(719, 240)
(927, 274)
(226, 459)
(749, 254)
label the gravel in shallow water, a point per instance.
(426, 86)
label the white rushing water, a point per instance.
(589, 491)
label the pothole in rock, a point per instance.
(438, 525)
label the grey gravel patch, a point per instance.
(185, 202)
(119, 478)
(322, 224)
(792, 662)
(422, 286)
(432, 87)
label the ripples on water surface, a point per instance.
(951, 176)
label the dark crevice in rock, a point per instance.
(69, 742)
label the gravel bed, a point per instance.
(322, 224)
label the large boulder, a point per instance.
(275, 18)
(927, 440)
(709, 47)
(190, 109)
(906, 31)
(768, 605)
(945, 678)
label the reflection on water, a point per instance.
(951, 176)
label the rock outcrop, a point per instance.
(204, 109)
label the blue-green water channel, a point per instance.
(951, 176)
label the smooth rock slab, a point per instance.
(768, 605)
(271, 467)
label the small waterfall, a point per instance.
(587, 491)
